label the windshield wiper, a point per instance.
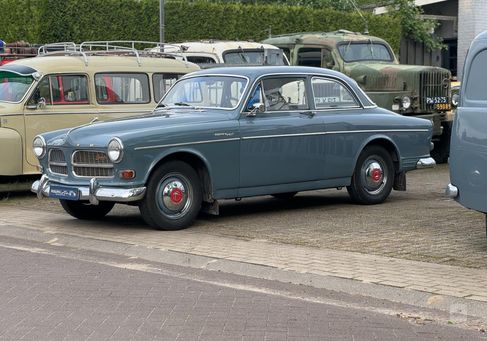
(182, 104)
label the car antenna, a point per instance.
(357, 9)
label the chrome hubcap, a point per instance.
(174, 196)
(374, 176)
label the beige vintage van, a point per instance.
(69, 85)
(207, 52)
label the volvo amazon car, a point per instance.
(230, 133)
(71, 84)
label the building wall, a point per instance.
(472, 16)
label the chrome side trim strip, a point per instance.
(186, 144)
(335, 133)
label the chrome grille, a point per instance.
(57, 162)
(92, 163)
(433, 84)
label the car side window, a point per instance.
(475, 89)
(118, 88)
(329, 93)
(62, 90)
(285, 94)
(162, 82)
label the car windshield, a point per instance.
(255, 57)
(352, 52)
(13, 86)
(222, 92)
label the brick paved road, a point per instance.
(46, 297)
(420, 224)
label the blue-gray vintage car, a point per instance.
(231, 133)
(468, 157)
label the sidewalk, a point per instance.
(431, 278)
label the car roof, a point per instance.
(255, 72)
(50, 64)
(220, 46)
(321, 38)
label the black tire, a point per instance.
(173, 198)
(85, 211)
(284, 196)
(373, 176)
(441, 150)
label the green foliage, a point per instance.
(43, 21)
(413, 26)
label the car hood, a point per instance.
(161, 122)
(392, 77)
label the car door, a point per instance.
(340, 111)
(468, 150)
(283, 144)
(59, 101)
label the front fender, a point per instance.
(11, 152)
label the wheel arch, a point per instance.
(385, 142)
(194, 159)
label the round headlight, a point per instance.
(115, 150)
(406, 102)
(39, 147)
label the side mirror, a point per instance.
(256, 108)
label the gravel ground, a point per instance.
(419, 224)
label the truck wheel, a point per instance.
(173, 198)
(373, 176)
(85, 211)
(441, 150)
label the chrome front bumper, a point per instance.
(93, 193)
(428, 162)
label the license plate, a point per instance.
(64, 192)
(444, 107)
(437, 100)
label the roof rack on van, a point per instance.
(114, 47)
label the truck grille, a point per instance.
(433, 85)
(57, 162)
(92, 163)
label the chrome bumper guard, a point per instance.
(93, 193)
(427, 162)
(451, 191)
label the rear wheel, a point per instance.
(373, 177)
(85, 211)
(173, 197)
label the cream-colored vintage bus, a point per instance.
(68, 85)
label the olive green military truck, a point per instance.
(412, 90)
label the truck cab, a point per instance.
(410, 90)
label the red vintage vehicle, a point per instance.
(17, 50)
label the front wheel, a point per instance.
(373, 176)
(85, 211)
(173, 197)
